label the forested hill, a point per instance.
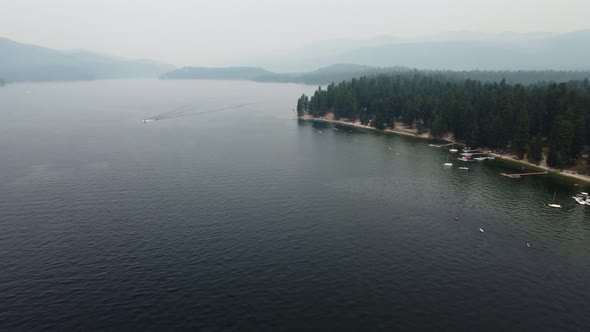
(342, 72)
(521, 118)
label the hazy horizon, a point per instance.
(238, 32)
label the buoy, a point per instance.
(481, 230)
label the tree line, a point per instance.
(524, 119)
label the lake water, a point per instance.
(246, 219)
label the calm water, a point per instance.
(247, 220)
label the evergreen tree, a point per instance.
(379, 122)
(438, 127)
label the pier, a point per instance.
(442, 145)
(519, 175)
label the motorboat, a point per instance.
(464, 168)
(448, 164)
(582, 198)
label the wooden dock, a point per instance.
(442, 145)
(519, 175)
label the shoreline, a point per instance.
(408, 133)
(503, 157)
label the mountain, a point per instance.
(223, 73)
(24, 62)
(456, 51)
(324, 75)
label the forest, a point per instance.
(535, 120)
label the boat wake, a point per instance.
(191, 110)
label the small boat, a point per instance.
(147, 120)
(480, 158)
(453, 150)
(464, 168)
(447, 164)
(481, 230)
(582, 198)
(552, 204)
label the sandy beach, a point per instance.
(400, 129)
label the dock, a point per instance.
(441, 145)
(519, 175)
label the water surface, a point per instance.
(247, 219)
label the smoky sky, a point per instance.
(221, 32)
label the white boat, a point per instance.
(480, 158)
(147, 120)
(447, 163)
(453, 150)
(464, 168)
(552, 204)
(582, 198)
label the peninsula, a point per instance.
(546, 125)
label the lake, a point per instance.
(235, 217)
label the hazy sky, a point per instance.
(220, 32)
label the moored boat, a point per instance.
(553, 204)
(582, 198)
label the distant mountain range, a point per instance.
(454, 51)
(23, 62)
(537, 56)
